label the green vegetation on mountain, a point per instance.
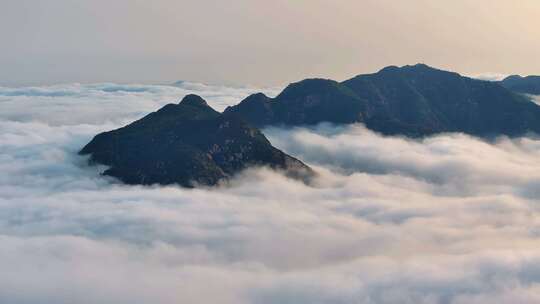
(188, 144)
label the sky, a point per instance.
(449, 219)
(259, 42)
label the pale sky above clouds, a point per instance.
(260, 42)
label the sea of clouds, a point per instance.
(450, 219)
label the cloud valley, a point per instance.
(448, 219)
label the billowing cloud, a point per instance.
(490, 76)
(455, 164)
(449, 219)
(95, 104)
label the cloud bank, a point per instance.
(450, 219)
(490, 76)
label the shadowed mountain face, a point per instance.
(525, 85)
(187, 143)
(420, 100)
(303, 103)
(412, 100)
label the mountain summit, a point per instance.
(188, 144)
(415, 100)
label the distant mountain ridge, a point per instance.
(302, 103)
(192, 144)
(413, 101)
(187, 144)
(525, 85)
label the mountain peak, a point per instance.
(194, 100)
(420, 66)
(187, 145)
(390, 68)
(306, 102)
(257, 96)
(311, 83)
(414, 67)
(513, 77)
(308, 85)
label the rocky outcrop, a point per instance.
(187, 144)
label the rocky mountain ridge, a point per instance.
(412, 100)
(187, 144)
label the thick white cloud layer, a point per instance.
(450, 219)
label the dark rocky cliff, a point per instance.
(188, 144)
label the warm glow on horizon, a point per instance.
(261, 42)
